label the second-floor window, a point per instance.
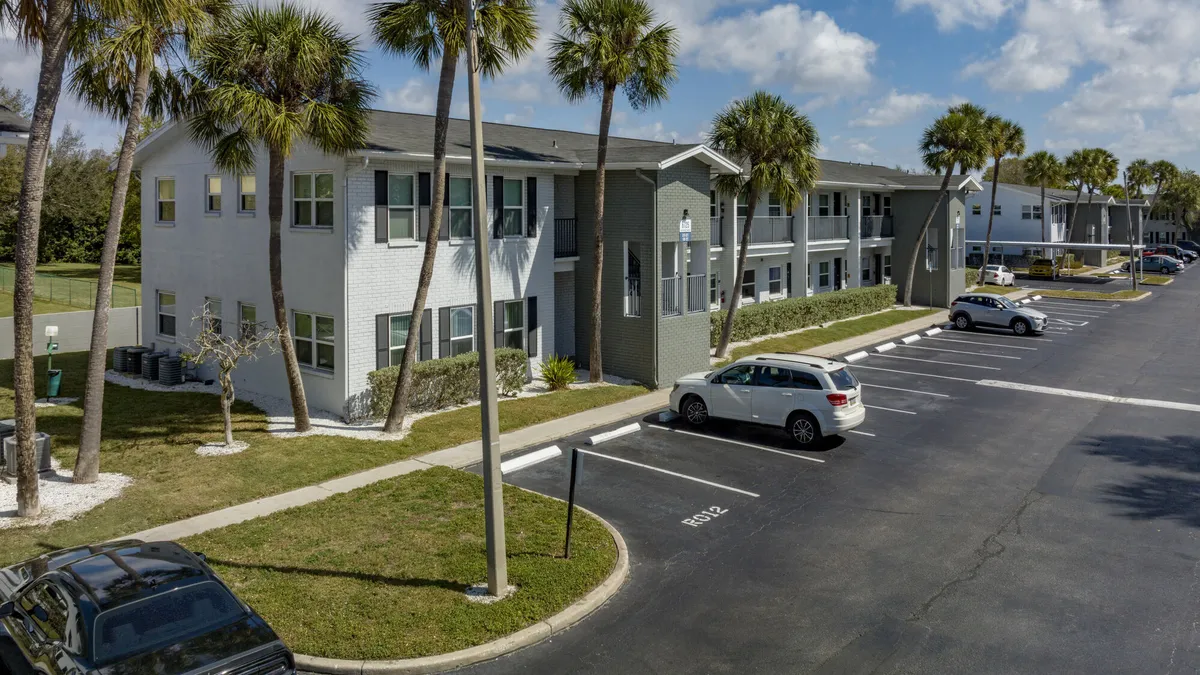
(166, 200)
(247, 194)
(996, 210)
(212, 188)
(977, 209)
(887, 205)
(312, 200)
(460, 208)
(822, 205)
(314, 339)
(402, 220)
(774, 206)
(514, 208)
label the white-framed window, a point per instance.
(247, 319)
(996, 209)
(887, 265)
(823, 274)
(1026, 212)
(165, 206)
(1037, 211)
(977, 209)
(166, 313)
(402, 207)
(312, 199)
(748, 284)
(774, 205)
(712, 203)
(866, 268)
(887, 205)
(398, 337)
(775, 280)
(743, 203)
(462, 330)
(514, 207)
(823, 205)
(212, 194)
(247, 194)
(714, 288)
(212, 309)
(866, 205)
(313, 335)
(461, 221)
(514, 325)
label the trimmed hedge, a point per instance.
(442, 383)
(782, 316)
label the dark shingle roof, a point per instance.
(12, 122)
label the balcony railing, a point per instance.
(697, 293)
(566, 244)
(876, 226)
(670, 296)
(768, 229)
(714, 237)
(828, 227)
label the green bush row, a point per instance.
(782, 316)
(442, 383)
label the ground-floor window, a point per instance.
(166, 313)
(714, 288)
(514, 324)
(775, 280)
(398, 326)
(247, 319)
(823, 274)
(887, 265)
(866, 268)
(748, 284)
(462, 330)
(212, 310)
(313, 335)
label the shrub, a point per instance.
(782, 316)
(558, 372)
(443, 383)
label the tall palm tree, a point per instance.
(953, 139)
(976, 115)
(1042, 168)
(275, 77)
(1137, 176)
(779, 145)
(602, 45)
(1076, 170)
(1163, 172)
(121, 57)
(1004, 138)
(427, 30)
(1103, 171)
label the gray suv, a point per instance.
(995, 311)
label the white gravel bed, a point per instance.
(50, 403)
(60, 498)
(479, 595)
(220, 449)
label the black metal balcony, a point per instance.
(768, 229)
(876, 226)
(566, 243)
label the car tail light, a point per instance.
(837, 399)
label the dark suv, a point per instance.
(131, 608)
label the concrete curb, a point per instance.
(526, 637)
(1139, 298)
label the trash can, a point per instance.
(53, 383)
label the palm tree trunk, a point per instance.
(275, 253)
(87, 462)
(1074, 215)
(400, 396)
(727, 327)
(596, 363)
(916, 252)
(1043, 213)
(54, 57)
(987, 242)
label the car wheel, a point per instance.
(962, 321)
(1165, 270)
(804, 429)
(694, 410)
(1020, 327)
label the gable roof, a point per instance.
(11, 122)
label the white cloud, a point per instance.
(416, 96)
(655, 131)
(522, 117)
(862, 147)
(951, 14)
(521, 91)
(897, 108)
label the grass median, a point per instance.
(380, 572)
(842, 330)
(39, 306)
(152, 437)
(1127, 294)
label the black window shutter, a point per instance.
(426, 335)
(532, 322)
(444, 231)
(446, 192)
(531, 208)
(498, 206)
(444, 333)
(424, 197)
(498, 324)
(837, 203)
(381, 210)
(382, 341)
(877, 203)
(788, 290)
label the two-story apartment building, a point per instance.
(14, 130)
(1018, 217)
(354, 236)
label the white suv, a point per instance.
(807, 395)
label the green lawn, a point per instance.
(39, 306)
(129, 276)
(804, 340)
(152, 437)
(1092, 295)
(379, 573)
(1156, 280)
(996, 290)
(73, 284)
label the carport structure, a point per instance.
(1057, 247)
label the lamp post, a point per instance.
(493, 484)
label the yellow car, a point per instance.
(1044, 268)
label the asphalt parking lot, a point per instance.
(1009, 505)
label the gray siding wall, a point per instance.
(1095, 215)
(564, 196)
(564, 314)
(683, 342)
(939, 287)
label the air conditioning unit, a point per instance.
(41, 444)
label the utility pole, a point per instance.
(493, 484)
(1134, 259)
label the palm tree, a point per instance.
(427, 30)
(1004, 138)
(602, 45)
(1138, 175)
(779, 145)
(953, 139)
(121, 57)
(1076, 170)
(1164, 173)
(977, 115)
(275, 77)
(1042, 168)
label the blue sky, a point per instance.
(1123, 74)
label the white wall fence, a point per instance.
(75, 331)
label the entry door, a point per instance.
(878, 268)
(730, 396)
(837, 274)
(773, 396)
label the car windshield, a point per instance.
(993, 268)
(1006, 303)
(843, 379)
(162, 620)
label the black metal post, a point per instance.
(571, 500)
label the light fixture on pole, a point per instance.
(493, 484)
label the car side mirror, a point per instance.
(7, 609)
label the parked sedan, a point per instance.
(131, 608)
(999, 275)
(1157, 263)
(995, 311)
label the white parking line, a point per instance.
(1055, 312)
(1001, 336)
(910, 391)
(860, 433)
(1046, 303)
(670, 473)
(940, 363)
(879, 407)
(909, 372)
(985, 344)
(956, 351)
(743, 444)
(1105, 398)
(529, 459)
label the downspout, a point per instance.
(346, 225)
(655, 288)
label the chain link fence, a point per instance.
(79, 293)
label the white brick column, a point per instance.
(728, 262)
(855, 249)
(799, 257)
